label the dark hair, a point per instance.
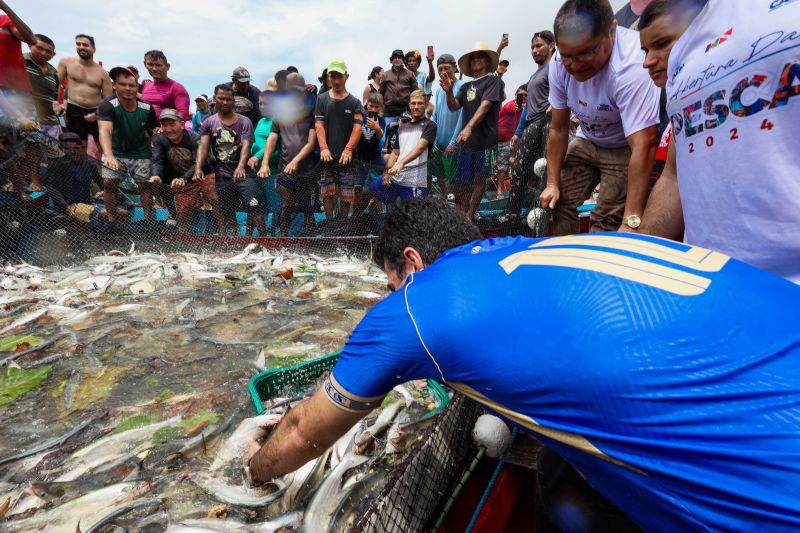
(658, 8)
(223, 87)
(45, 39)
(155, 55)
(428, 225)
(523, 87)
(121, 72)
(280, 79)
(578, 16)
(411, 54)
(374, 72)
(545, 35)
(87, 37)
(293, 69)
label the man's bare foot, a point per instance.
(35, 186)
(25, 197)
(8, 187)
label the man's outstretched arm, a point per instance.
(304, 433)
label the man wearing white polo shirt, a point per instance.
(597, 75)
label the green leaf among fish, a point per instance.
(10, 343)
(137, 421)
(16, 381)
(289, 360)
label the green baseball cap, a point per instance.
(337, 65)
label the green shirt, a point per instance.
(130, 138)
(261, 134)
(45, 90)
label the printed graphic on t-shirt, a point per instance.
(227, 146)
(242, 105)
(180, 159)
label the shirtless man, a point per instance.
(88, 84)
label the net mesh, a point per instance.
(63, 221)
(421, 483)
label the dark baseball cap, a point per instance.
(69, 137)
(241, 75)
(446, 59)
(116, 71)
(397, 53)
(503, 62)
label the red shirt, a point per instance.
(507, 121)
(12, 66)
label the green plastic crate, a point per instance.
(292, 380)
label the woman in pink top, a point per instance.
(163, 92)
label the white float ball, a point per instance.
(540, 167)
(536, 216)
(491, 433)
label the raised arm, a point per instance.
(446, 82)
(21, 30)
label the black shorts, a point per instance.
(77, 124)
(247, 195)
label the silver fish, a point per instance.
(240, 494)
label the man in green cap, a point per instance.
(338, 117)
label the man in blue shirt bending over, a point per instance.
(667, 375)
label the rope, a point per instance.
(491, 483)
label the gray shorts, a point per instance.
(137, 170)
(503, 153)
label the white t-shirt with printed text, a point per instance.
(615, 103)
(733, 96)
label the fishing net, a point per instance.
(63, 221)
(420, 484)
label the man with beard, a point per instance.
(174, 153)
(126, 125)
(534, 121)
(88, 84)
(245, 95)
(229, 135)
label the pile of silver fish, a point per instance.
(124, 401)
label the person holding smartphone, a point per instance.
(507, 122)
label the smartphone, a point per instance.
(430, 50)
(505, 36)
(373, 115)
(520, 100)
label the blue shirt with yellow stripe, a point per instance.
(668, 375)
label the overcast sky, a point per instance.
(205, 40)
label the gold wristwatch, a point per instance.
(632, 221)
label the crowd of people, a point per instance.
(323, 147)
(688, 418)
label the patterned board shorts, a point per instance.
(338, 180)
(137, 170)
(503, 154)
(190, 197)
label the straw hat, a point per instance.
(466, 68)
